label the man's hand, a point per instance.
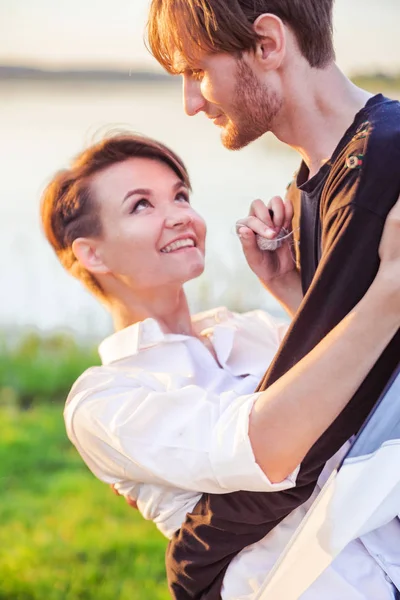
(389, 248)
(389, 253)
(128, 500)
(267, 221)
(276, 270)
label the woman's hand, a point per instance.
(389, 248)
(276, 270)
(128, 499)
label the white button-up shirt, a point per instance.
(164, 421)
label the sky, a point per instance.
(101, 33)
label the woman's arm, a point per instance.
(290, 416)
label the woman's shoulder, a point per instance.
(107, 385)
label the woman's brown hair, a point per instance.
(185, 26)
(69, 209)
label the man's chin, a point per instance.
(234, 140)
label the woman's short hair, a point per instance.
(69, 209)
(186, 26)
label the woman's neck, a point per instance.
(169, 307)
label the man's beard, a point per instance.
(254, 110)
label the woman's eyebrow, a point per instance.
(178, 185)
(147, 192)
(143, 191)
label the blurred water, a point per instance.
(43, 124)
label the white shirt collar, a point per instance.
(148, 333)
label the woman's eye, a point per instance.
(182, 196)
(140, 205)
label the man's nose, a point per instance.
(193, 100)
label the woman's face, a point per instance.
(152, 237)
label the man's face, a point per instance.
(228, 91)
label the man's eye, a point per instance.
(140, 205)
(182, 196)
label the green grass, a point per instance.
(39, 368)
(63, 534)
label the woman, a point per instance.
(171, 412)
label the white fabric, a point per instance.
(157, 413)
(356, 574)
(341, 514)
(157, 420)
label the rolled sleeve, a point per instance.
(232, 456)
(187, 438)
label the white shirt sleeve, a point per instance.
(186, 438)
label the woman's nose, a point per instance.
(193, 100)
(178, 218)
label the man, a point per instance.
(268, 65)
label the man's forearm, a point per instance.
(287, 291)
(289, 417)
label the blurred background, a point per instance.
(70, 72)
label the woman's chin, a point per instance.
(185, 269)
(194, 270)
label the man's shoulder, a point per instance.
(366, 172)
(383, 125)
(383, 110)
(376, 135)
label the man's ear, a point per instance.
(88, 255)
(271, 45)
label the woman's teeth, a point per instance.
(178, 244)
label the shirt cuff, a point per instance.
(232, 456)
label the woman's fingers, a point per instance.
(128, 499)
(131, 502)
(389, 247)
(114, 489)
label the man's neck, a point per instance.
(321, 107)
